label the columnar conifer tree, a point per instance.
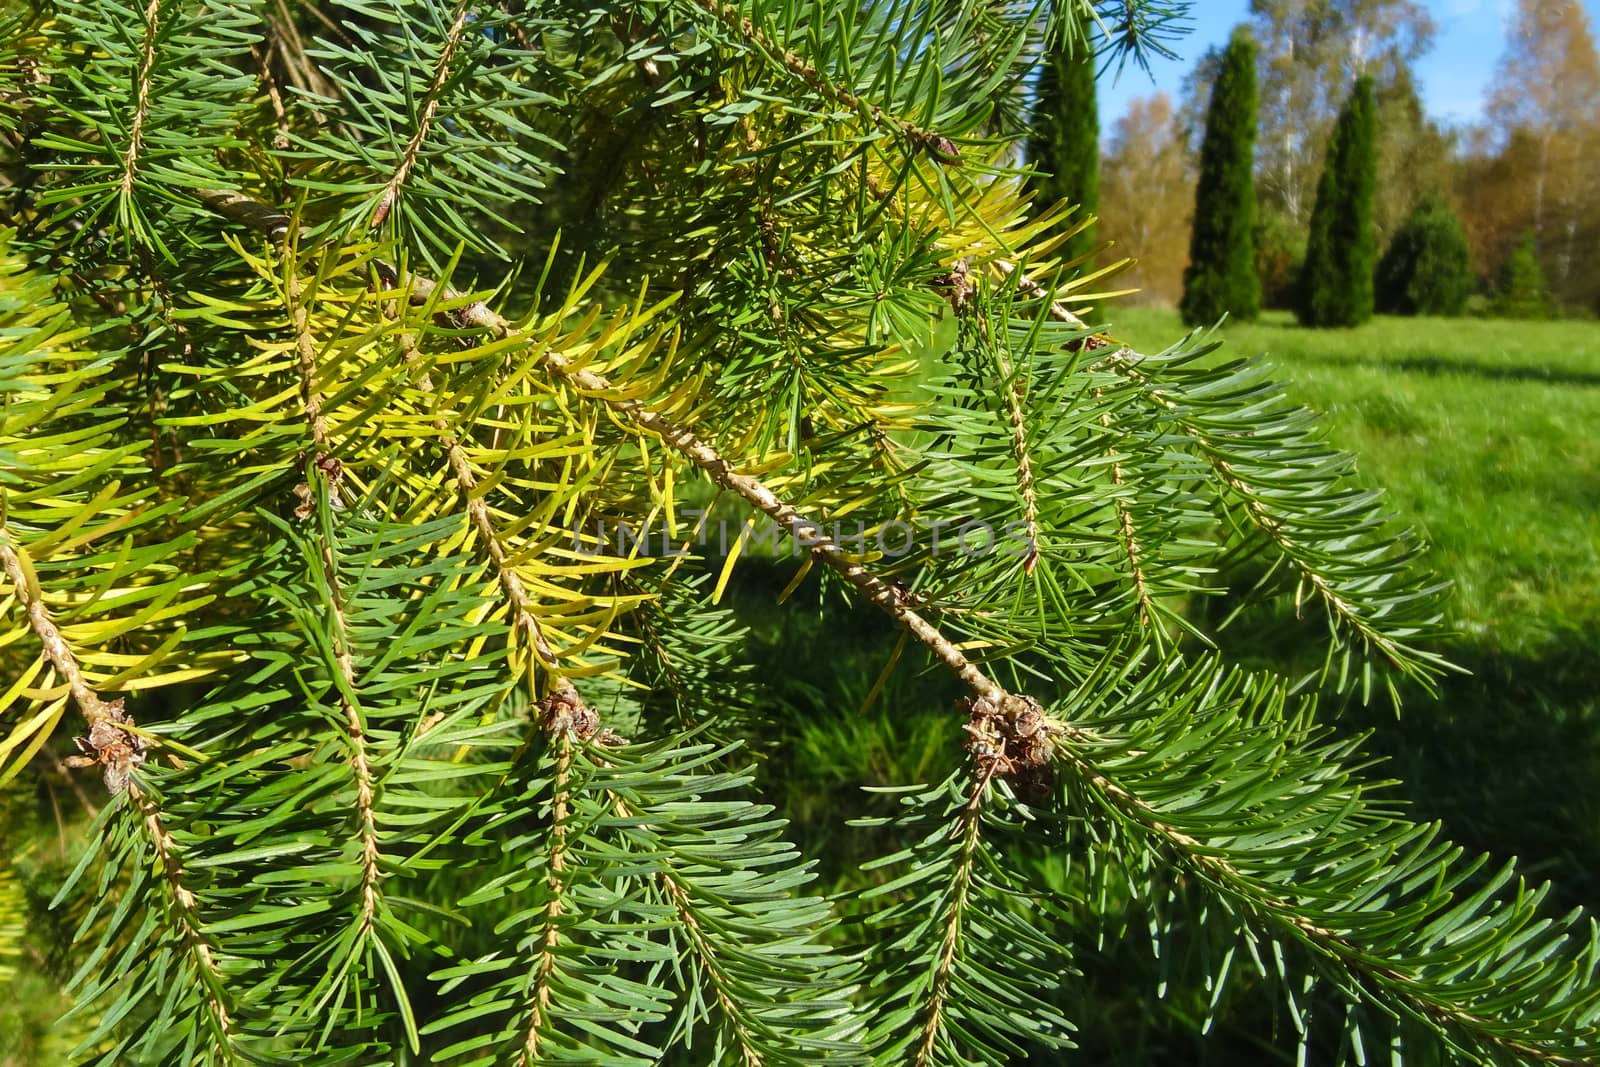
(1427, 269)
(358, 543)
(1335, 287)
(1221, 277)
(1064, 142)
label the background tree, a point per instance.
(1544, 128)
(371, 552)
(1311, 51)
(1147, 199)
(1335, 287)
(1522, 292)
(1415, 156)
(1064, 144)
(1427, 269)
(1221, 276)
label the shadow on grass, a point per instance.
(1442, 365)
(1507, 758)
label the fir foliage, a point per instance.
(1427, 269)
(1221, 277)
(367, 551)
(1335, 287)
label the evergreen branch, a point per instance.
(1030, 739)
(188, 913)
(1023, 723)
(561, 740)
(141, 97)
(1130, 535)
(747, 935)
(1255, 854)
(424, 124)
(890, 599)
(464, 140)
(149, 103)
(1219, 444)
(510, 581)
(326, 485)
(119, 750)
(967, 829)
(524, 620)
(479, 315)
(969, 950)
(706, 953)
(1016, 406)
(569, 706)
(937, 146)
(1013, 385)
(1224, 452)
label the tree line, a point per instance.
(1322, 185)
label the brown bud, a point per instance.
(942, 149)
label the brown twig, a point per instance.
(430, 108)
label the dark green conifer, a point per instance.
(1428, 268)
(1065, 142)
(1523, 291)
(1221, 277)
(1336, 281)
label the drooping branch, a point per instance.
(186, 910)
(705, 953)
(1017, 718)
(967, 828)
(430, 108)
(141, 98)
(1125, 362)
(119, 751)
(959, 289)
(1129, 533)
(327, 482)
(523, 619)
(561, 740)
(567, 721)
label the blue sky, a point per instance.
(1452, 76)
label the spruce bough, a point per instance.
(313, 435)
